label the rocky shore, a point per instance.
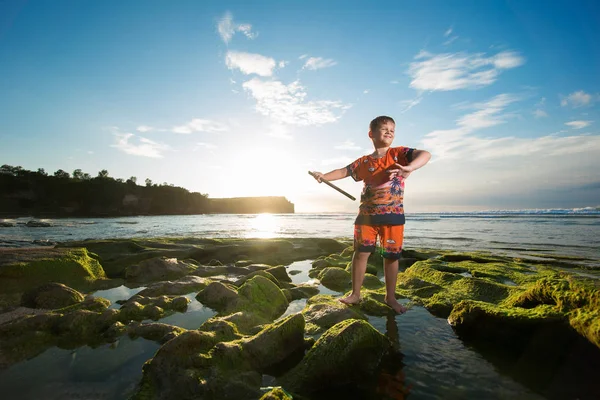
(540, 312)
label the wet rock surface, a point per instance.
(525, 309)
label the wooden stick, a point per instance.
(325, 181)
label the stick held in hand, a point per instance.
(333, 186)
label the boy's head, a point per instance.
(382, 130)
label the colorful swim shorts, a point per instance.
(390, 239)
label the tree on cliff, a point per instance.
(24, 192)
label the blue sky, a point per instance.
(243, 98)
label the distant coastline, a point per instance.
(37, 194)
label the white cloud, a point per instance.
(445, 143)
(287, 103)
(348, 145)
(450, 40)
(452, 71)
(303, 56)
(448, 32)
(539, 113)
(250, 63)
(578, 124)
(318, 63)
(200, 125)
(408, 104)
(145, 147)
(144, 128)
(577, 99)
(282, 64)
(365, 91)
(394, 82)
(227, 28)
(469, 167)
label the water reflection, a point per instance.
(264, 226)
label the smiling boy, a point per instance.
(381, 211)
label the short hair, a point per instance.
(377, 122)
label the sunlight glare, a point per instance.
(264, 226)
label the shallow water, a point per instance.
(435, 363)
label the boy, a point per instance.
(381, 211)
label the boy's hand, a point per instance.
(317, 176)
(400, 170)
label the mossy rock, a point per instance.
(154, 331)
(185, 285)
(335, 278)
(261, 296)
(504, 325)
(277, 394)
(280, 273)
(51, 296)
(219, 296)
(218, 369)
(347, 353)
(158, 269)
(262, 273)
(372, 282)
(25, 270)
(324, 311)
(302, 292)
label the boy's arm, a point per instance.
(332, 175)
(419, 159)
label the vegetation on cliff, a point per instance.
(24, 192)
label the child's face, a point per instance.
(384, 134)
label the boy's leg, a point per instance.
(359, 268)
(391, 243)
(364, 245)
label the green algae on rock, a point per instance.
(203, 365)
(24, 269)
(324, 311)
(346, 353)
(51, 296)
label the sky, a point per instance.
(243, 98)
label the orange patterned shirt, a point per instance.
(381, 201)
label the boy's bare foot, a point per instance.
(350, 300)
(397, 307)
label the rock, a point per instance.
(261, 296)
(37, 224)
(262, 273)
(24, 269)
(51, 296)
(335, 279)
(185, 285)
(200, 364)
(276, 393)
(154, 331)
(347, 353)
(180, 303)
(303, 292)
(324, 311)
(159, 268)
(372, 282)
(5, 224)
(280, 273)
(219, 297)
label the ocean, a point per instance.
(565, 232)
